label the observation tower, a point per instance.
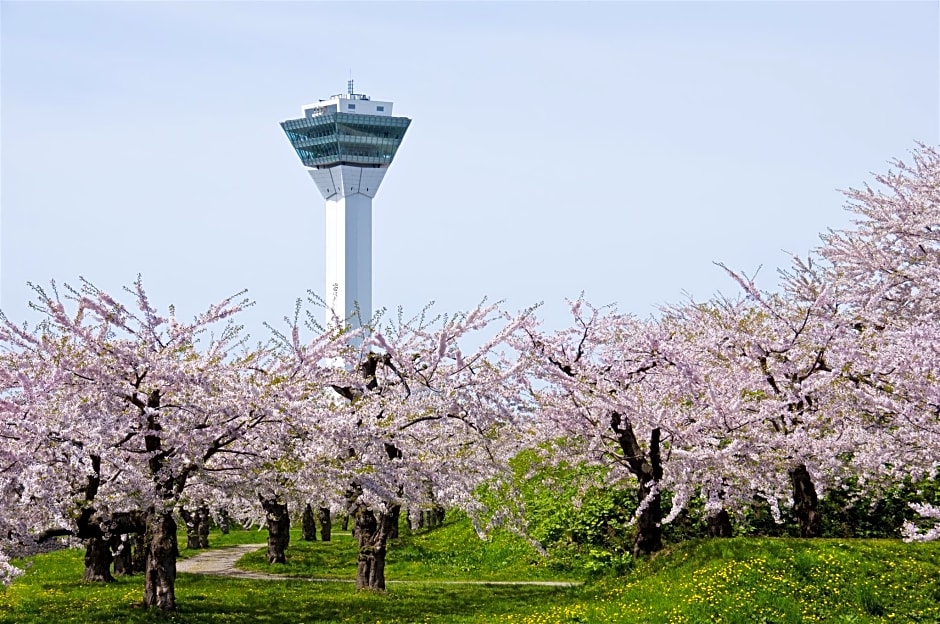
(347, 143)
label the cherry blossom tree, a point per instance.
(768, 373)
(843, 362)
(778, 396)
(139, 405)
(610, 391)
(430, 419)
(888, 269)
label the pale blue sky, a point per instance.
(615, 148)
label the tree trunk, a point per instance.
(97, 561)
(121, 549)
(191, 521)
(649, 530)
(394, 513)
(719, 525)
(326, 523)
(345, 524)
(223, 522)
(160, 562)
(308, 525)
(648, 469)
(805, 502)
(139, 552)
(278, 522)
(371, 532)
(203, 519)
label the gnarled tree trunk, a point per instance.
(121, 550)
(805, 502)
(719, 524)
(429, 518)
(648, 470)
(372, 531)
(308, 524)
(326, 523)
(437, 514)
(394, 513)
(197, 526)
(97, 561)
(203, 518)
(192, 528)
(160, 561)
(139, 553)
(278, 523)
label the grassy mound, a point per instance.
(768, 581)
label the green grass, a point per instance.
(218, 540)
(450, 552)
(732, 581)
(51, 593)
(768, 581)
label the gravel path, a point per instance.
(221, 562)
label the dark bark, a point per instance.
(97, 561)
(431, 518)
(805, 502)
(97, 551)
(192, 528)
(160, 561)
(203, 519)
(719, 525)
(308, 525)
(326, 523)
(197, 526)
(648, 470)
(138, 553)
(223, 522)
(371, 530)
(160, 539)
(278, 523)
(89, 528)
(394, 513)
(345, 524)
(121, 549)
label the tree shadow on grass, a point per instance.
(294, 602)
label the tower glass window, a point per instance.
(346, 138)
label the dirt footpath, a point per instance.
(221, 562)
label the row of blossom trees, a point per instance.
(112, 418)
(767, 396)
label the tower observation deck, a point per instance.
(347, 143)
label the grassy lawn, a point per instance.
(740, 580)
(450, 552)
(52, 593)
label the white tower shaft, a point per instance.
(348, 191)
(349, 259)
